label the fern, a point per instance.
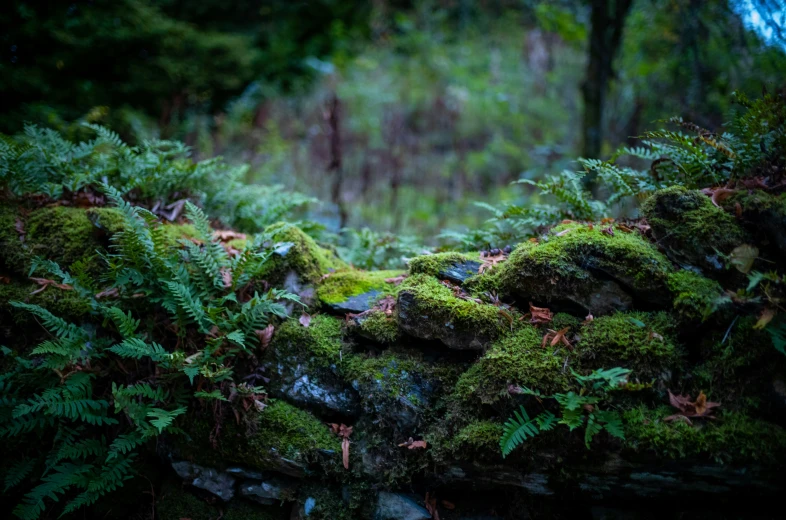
(516, 430)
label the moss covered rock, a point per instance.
(456, 267)
(695, 296)
(691, 229)
(353, 290)
(429, 310)
(586, 269)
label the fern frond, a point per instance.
(516, 430)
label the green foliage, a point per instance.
(367, 249)
(68, 389)
(574, 409)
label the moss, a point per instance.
(320, 342)
(478, 436)
(14, 253)
(627, 339)
(342, 285)
(732, 437)
(173, 233)
(321, 503)
(239, 243)
(391, 372)
(110, 220)
(562, 320)
(304, 257)
(691, 227)
(694, 295)
(517, 359)
(379, 327)
(176, 503)
(431, 310)
(439, 262)
(62, 234)
(64, 304)
(561, 267)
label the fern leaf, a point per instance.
(516, 430)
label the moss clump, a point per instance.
(320, 342)
(109, 220)
(428, 309)
(342, 285)
(64, 304)
(732, 437)
(518, 359)
(643, 342)
(176, 503)
(290, 431)
(564, 267)
(174, 233)
(477, 436)
(694, 295)
(13, 252)
(691, 227)
(303, 257)
(439, 263)
(380, 327)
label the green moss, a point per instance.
(176, 503)
(478, 436)
(694, 295)
(391, 372)
(518, 359)
(342, 285)
(691, 227)
(438, 310)
(173, 233)
(62, 234)
(110, 220)
(305, 258)
(64, 304)
(732, 437)
(627, 339)
(239, 243)
(320, 342)
(439, 262)
(562, 320)
(561, 266)
(380, 327)
(14, 254)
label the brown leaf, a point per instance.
(540, 314)
(344, 432)
(742, 257)
(305, 320)
(608, 231)
(490, 261)
(606, 220)
(386, 304)
(563, 232)
(345, 452)
(413, 444)
(226, 277)
(765, 317)
(655, 335)
(553, 337)
(718, 194)
(112, 292)
(698, 408)
(44, 283)
(265, 336)
(624, 228)
(225, 235)
(431, 506)
(5, 279)
(396, 280)
(448, 505)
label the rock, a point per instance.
(459, 271)
(269, 490)
(357, 303)
(211, 480)
(325, 394)
(394, 506)
(456, 267)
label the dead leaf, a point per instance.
(305, 320)
(5, 279)
(567, 221)
(226, 277)
(448, 505)
(431, 506)
(265, 336)
(563, 232)
(533, 240)
(655, 335)
(624, 228)
(112, 292)
(45, 282)
(588, 319)
(413, 444)
(325, 277)
(490, 261)
(737, 209)
(608, 231)
(344, 432)
(742, 257)
(386, 304)
(553, 337)
(19, 226)
(396, 280)
(606, 220)
(698, 408)
(225, 235)
(765, 317)
(539, 314)
(718, 194)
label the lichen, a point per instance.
(304, 257)
(732, 437)
(694, 295)
(562, 267)
(319, 343)
(439, 262)
(518, 359)
(641, 341)
(691, 227)
(341, 285)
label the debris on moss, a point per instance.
(294, 251)
(587, 269)
(641, 341)
(518, 359)
(695, 296)
(428, 309)
(732, 437)
(691, 228)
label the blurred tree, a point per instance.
(160, 57)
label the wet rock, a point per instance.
(320, 391)
(269, 490)
(211, 480)
(459, 271)
(356, 304)
(394, 506)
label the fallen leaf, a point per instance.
(386, 304)
(742, 257)
(431, 506)
(698, 408)
(226, 277)
(19, 226)
(265, 336)
(343, 431)
(44, 283)
(448, 505)
(718, 194)
(606, 220)
(539, 314)
(624, 228)
(608, 231)
(553, 337)
(567, 221)
(305, 320)
(588, 319)
(325, 277)
(413, 444)
(112, 292)
(5, 279)
(225, 235)
(563, 232)
(490, 261)
(655, 335)
(737, 209)
(766, 316)
(396, 280)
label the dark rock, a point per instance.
(459, 272)
(269, 489)
(306, 292)
(211, 480)
(319, 390)
(393, 506)
(356, 304)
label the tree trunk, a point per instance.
(607, 21)
(335, 167)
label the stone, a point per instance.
(269, 490)
(320, 391)
(394, 506)
(211, 480)
(459, 271)
(357, 303)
